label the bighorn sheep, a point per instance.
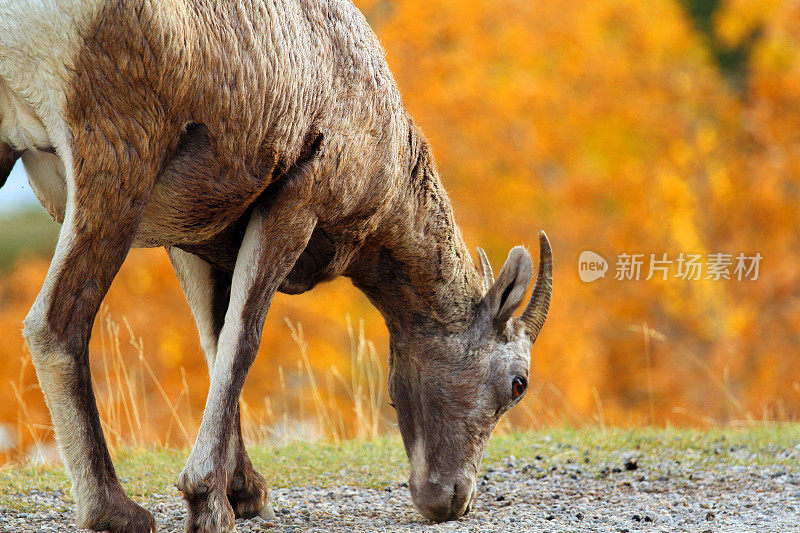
(265, 145)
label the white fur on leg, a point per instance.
(265, 245)
(200, 463)
(41, 41)
(195, 277)
(46, 175)
(55, 369)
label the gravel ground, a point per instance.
(691, 491)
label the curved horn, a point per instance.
(486, 269)
(536, 311)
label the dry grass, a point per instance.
(125, 400)
(364, 396)
(129, 393)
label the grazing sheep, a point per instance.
(264, 143)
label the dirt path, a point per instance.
(727, 489)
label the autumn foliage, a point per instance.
(611, 125)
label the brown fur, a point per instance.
(268, 138)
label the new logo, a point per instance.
(591, 266)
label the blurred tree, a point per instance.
(608, 124)
(731, 58)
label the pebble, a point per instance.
(596, 497)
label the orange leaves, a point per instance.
(607, 124)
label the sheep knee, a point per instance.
(50, 357)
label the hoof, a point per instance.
(248, 495)
(119, 514)
(208, 510)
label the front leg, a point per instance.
(103, 213)
(273, 241)
(207, 290)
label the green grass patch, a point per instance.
(383, 462)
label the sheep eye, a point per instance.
(518, 386)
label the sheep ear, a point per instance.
(507, 292)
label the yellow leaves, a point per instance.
(625, 138)
(720, 182)
(675, 192)
(706, 139)
(171, 347)
(741, 318)
(605, 123)
(776, 56)
(738, 19)
(681, 152)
